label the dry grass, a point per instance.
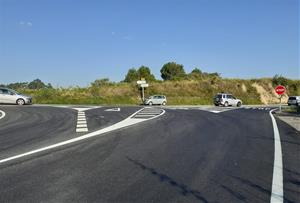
(255, 91)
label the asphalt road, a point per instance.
(185, 155)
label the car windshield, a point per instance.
(13, 91)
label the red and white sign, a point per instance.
(280, 89)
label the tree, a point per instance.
(142, 72)
(131, 75)
(279, 80)
(145, 72)
(37, 84)
(101, 82)
(18, 85)
(196, 74)
(172, 71)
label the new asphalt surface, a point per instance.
(182, 156)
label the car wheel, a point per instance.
(150, 103)
(20, 102)
(216, 104)
(239, 104)
(226, 104)
(164, 103)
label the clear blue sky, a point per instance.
(68, 42)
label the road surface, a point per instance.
(172, 155)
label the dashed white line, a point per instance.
(2, 114)
(125, 123)
(277, 182)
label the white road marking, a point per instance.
(277, 182)
(79, 130)
(81, 120)
(125, 123)
(215, 111)
(85, 108)
(81, 125)
(2, 114)
(114, 109)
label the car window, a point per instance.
(4, 91)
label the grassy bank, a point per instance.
(257, 91)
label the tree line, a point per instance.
(35, 84)
(169, 71)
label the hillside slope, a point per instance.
(188, 92)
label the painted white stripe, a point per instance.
(82, 130)
(81, 126)
(81, 122)
(277, 182)
(215, 111)
(114, 109)
(125, 123)
(139, 115)
(81, 119)
(2, 114)
(81, 114)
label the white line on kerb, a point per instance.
(122, 124)
(2, 114)
(277, 182)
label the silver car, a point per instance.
(156, 99)
(294, 100)
(226, 100)
(9, 96)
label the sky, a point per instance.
(74, 42)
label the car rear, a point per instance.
(218, 100)
(294, 100)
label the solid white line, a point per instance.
(81, 122)
(277, 182)
(2, 114)
(125, 123)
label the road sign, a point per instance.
(140, 82)
(280, 89)
(144, 85)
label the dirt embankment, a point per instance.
(268, 94)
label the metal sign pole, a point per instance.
(280, 103)
(143, 94)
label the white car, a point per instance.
(294, 100)
(156, 99)
(226, 100)
(9, 96)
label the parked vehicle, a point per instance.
(294, 100)
(156, 100)
(226, 100)
(9, 96)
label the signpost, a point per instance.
(280, 90)
(143, 84)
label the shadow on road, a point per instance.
(184, 190)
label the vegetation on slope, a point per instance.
(180, 88)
